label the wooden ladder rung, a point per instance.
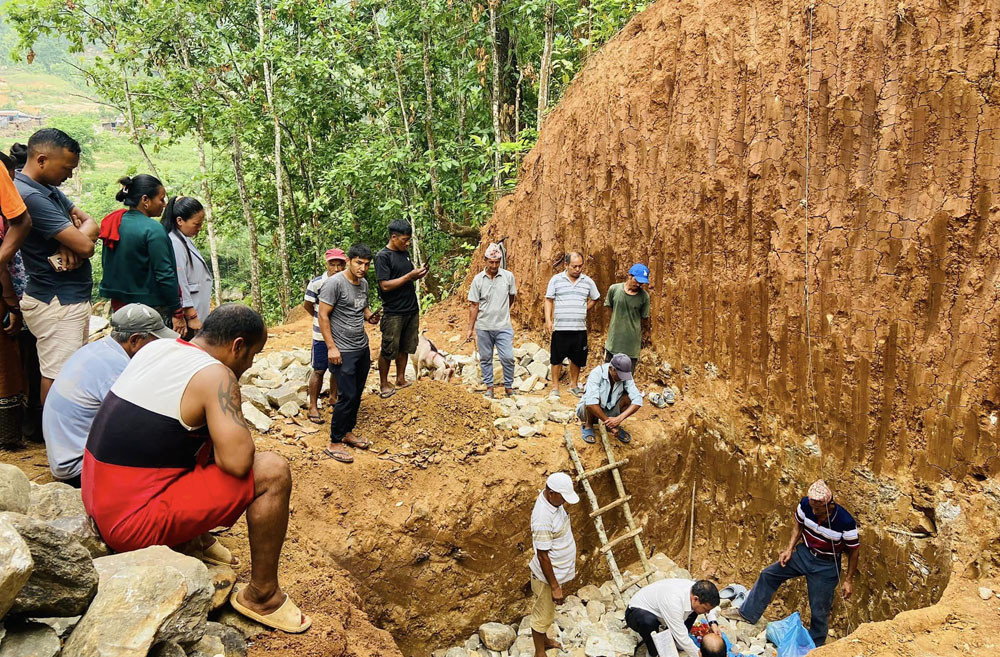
(604, 468)
(636, 580)
(624, 537)
(617, 503)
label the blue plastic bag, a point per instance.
(790, 636)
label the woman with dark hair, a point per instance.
(137, 257)
(182, 219)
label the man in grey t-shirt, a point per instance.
(343, 311)
(490, 296)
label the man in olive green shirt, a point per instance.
(629, 304)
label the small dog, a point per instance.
(429, 358)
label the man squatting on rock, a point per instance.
(554, 561)
(195, 467)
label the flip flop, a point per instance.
(387, 394)
(731, 591)
(577, 391)
(287, 617)
(316, 419)
(404, 385)
(588, 435)
(489, 394)
(357, 444)
(338, 456)
(624, 436)
(215, 554)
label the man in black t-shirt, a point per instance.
(400, 323)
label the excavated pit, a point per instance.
(437, 546)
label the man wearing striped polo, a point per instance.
(570, 295)
(336, 261)
(826, 531)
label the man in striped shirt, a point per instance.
(336, 260)
(570, 295)
(823, 532)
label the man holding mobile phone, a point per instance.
(56, 303)
(343, 311)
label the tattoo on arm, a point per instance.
(229, 400)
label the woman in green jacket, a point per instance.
(137, 256)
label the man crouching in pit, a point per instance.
(169, 457)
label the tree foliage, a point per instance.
(385, 108)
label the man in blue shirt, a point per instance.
(84, 382)
(610, 396)
(56, 302)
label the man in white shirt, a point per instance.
(554, 562)
(674, 603)
(611, 397)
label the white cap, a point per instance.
(560, 482)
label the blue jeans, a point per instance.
(504, 341)
(821, 579)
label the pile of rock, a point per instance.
(591, 623)
(275, 386)
(526, 415)
(61, 593)
(531, 368)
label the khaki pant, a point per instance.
(544, 610)
(60, 330)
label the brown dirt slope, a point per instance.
(684, 144)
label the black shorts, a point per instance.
(400, 334)
(569, 344)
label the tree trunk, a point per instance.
(463, 166)
(517, 105)
(206, 193)
(241, 185)
(132, 127)
(497, 138)
(286, 275)
(546, 67)
(429, 114)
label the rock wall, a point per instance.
(692, 142)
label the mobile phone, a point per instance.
(56, 261)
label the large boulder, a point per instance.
(146, 597)
(255, 396)
(281, 396)
(16, 565)
(29, 640)
(246, 627)
(223, 578)
(15, 491)
(61, 506)
(257, 420)
(64, 580)
(497, 636)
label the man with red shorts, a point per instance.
(169, 457)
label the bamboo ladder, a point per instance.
(607, 546)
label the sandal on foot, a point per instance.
(489, 394)
(405, 384)
(316, 419)
(577, 391)
(587, 433)
(338, 456)
(385, 394)
(215, 554)
(624, 436)
(287, 617)
(357, 444)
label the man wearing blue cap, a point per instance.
(629, 304)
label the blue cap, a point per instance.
(640, 272)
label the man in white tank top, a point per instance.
(195, 466)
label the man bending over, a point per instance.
(169, 457)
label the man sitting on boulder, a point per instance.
(169, 457)
(84, 382)
(610, 396)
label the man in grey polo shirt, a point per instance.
(490, 296)
(56, 302)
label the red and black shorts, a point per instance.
(569, 344)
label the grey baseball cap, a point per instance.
(139, 318)
(623, 366)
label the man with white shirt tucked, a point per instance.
(674, 603)
(554, 562)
